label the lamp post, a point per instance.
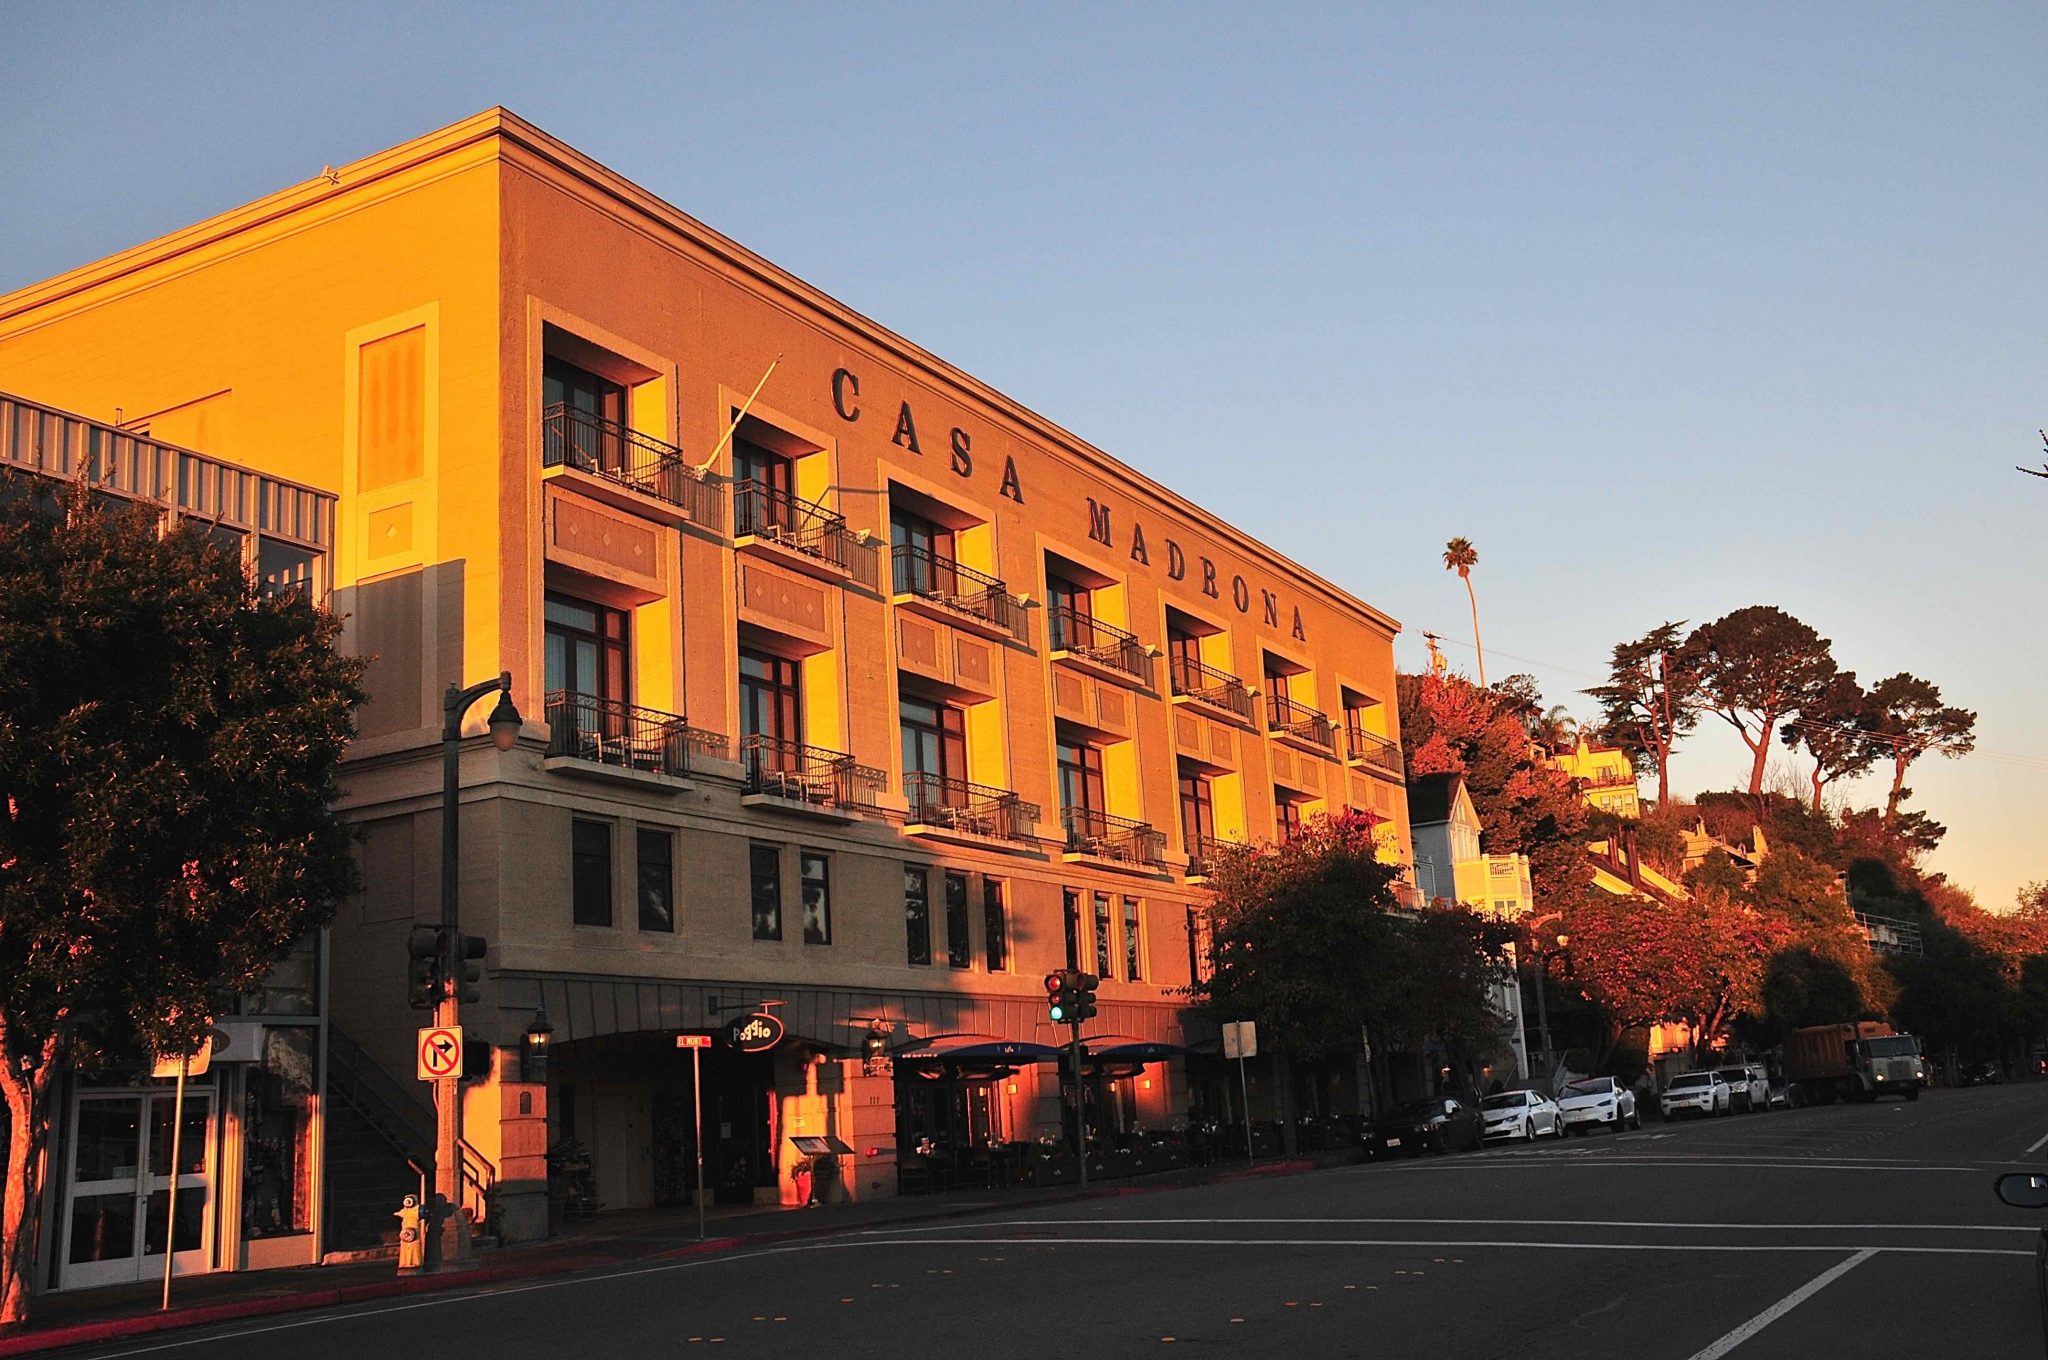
(533, 1049)
(448, 1243)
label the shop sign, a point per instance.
(756, 1033)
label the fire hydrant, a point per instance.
(412, 1242)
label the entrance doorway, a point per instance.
(118, 1192)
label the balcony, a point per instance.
(612, 458)
(801, 533)
(956, 594)
(585, 730)
(1373, 751)
(1301, 723)
(806, 778)
(953, 808)
(1117, 840)
(1089, 639)
(1191, 679)
(1204, 853)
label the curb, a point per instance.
(114, 1329)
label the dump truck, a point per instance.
(1857, 1061)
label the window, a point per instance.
(1276, 679)
(1070, 613)
(764, 490)
(815, 878)
(1134, 952)
(1080, 775)
(917, 913)
(764, 863)
(1072, 903)
(586, 648)
(591, 873)
(1287, 813)
(924, 555)
(771, 695)
(1201, 940)
(1105, 942)
(1197, 809)
(995, 925)
(657, 879)
(593, 414)
(959, 950)
(934, 754)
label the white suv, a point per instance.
(1703, 1093)
(1749, 1087)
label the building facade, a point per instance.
(1606, 775)
(855, 693)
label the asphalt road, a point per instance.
(1847, 1230)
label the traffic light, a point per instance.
(423, 968)
(1061, 988)
(1084, 996)
(466, 969)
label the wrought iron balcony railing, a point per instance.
(978, 808)
(1204, 852)
(804, 526)
(928, 575)
(1197, 681)
(1069, 630)
(627, 458)
(1119, 838)
(1370, 748)
(809, 774)
(1300, 721)
(608, 732)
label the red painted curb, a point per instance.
(113, 1329)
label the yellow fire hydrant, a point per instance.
(412, 1242)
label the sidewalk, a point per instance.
(96, 1315)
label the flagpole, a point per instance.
(745, 406)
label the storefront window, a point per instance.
(277, 1128)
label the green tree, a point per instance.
(168, 735)
(1650, 701)
(1909, 720)
(1460, 556)
(1835, 730)
(1754, 667)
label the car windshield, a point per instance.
(1899, 1046)
(1513, 1100)
(1692, 1079)
(1415, 1109)
(1733, 1074)
(1590, 1086)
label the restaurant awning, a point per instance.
(1128, 1048)
(976, 1050)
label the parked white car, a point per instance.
(1527, 1115)
(1749, 1087)
(1591, 1101)
(1701, 1093)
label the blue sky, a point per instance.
(1669, 309)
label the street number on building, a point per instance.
(440, 1052)
(1241, 1039)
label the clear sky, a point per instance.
(1670, 309)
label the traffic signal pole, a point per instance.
(1080, 1100)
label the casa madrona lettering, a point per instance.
(1102, 529)
(959, 444)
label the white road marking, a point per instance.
(1606, 1163)
(1433, 1242)
(1782, 1307)
(2039, 1143)
(1489, 1222)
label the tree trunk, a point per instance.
(1283, 1099)
(28, 1129)
(1817, 784)
(1761, 749)
(1664, 774)
(1477, 650)
(1891, 802)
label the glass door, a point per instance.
(120, 1187)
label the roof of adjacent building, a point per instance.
(1431, 798)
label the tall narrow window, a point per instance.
(1184, 660)
(657, 873)
(917, 913)
(1071, 902)
(815, 876)
(586, 648)
(959, 950)
(1197, 809)
(1105, 940)
(923, 555)
(934, 755)
(995, 925)
(764, 864)
(1080, 775)
(1287, 813)
(1134, 944)
(591, 873)
(763, 492)
(586, 415)
(1070, 614)
(771, 696)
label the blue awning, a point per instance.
(976, 1050)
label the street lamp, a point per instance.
(448, 1243)
(533, 1050)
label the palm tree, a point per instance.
(1460, 556)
